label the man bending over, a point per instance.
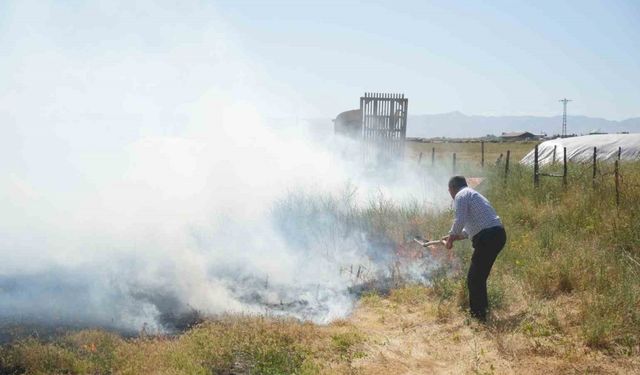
(476, 219)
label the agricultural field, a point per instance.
(564, 295)
(467, 152)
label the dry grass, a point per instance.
(467, 152)
(230, 345)
(409, 335)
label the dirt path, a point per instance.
(426, 338)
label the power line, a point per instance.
(564, 116)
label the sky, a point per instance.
(316, 58)
(483, 58)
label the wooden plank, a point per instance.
(595, 155)
(506, 165)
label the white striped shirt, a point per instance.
(473, 213)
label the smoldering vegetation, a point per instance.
(181, 236)
(143, 186)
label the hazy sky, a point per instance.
(510, 57)
(318, 57)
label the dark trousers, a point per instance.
(486, 247)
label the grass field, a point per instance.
(467, 152)
(564, 295)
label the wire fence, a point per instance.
(599, 172)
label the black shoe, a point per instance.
(482, 318)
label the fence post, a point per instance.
(536, 177)
(617, 176)
(482, 151)
(619, 152)
(420, 158)
(595, 155)
(454, 163)
(433, 156)
(564, 167)
(554, 154)
(506, 165)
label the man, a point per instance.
(476, 219)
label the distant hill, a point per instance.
(459, 125)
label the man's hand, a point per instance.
(449, 240)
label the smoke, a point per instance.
(140, 181)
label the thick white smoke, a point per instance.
(139, 180)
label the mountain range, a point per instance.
(458, 125)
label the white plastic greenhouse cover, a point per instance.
(580, 149)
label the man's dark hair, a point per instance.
(457, 182)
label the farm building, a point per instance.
(596, 131)
(349, 124)
(520, 136)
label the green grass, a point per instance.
(575, 241)
(563, 241)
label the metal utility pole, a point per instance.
(564, 116)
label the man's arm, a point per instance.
(457, 231)
(460, 218)
(462, 236)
